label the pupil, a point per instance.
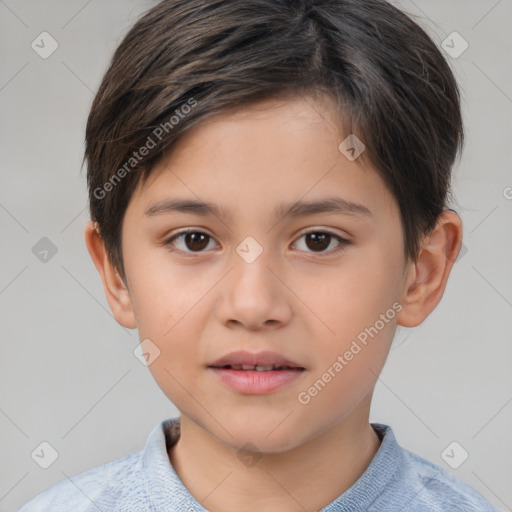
(195, 237)
(322, 237)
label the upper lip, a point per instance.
(242, 357)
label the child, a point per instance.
(258, 129)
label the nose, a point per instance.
(254, 296)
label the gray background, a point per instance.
(68, 372)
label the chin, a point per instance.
(265, 439)
(259, 442)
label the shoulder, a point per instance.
(433, 488)
(115, 483)
(398, 479)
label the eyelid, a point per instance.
(320, 229)
(171, 237)
(343, 241)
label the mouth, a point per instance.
(258, 361)
(258, 368)
(256, 373)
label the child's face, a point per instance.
(301, 297)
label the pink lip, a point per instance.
(254, 382)
(267, 358)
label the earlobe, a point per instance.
(426, 278)
(116, 291)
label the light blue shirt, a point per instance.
(145, 481)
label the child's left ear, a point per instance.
(427, 276)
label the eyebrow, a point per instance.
(297, 209)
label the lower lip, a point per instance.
(253, 382)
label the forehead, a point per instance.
(262, 156)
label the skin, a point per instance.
(305, 301)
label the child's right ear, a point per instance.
(117, 293)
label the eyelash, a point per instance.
(342, 242)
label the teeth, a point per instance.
(263, 368)
(259, 368)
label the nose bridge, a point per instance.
(254, 295)
(251, 263)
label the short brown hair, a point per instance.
(186, 60)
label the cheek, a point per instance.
(355, 295)
(161, 297)
(360, 309)
(177, 369)
(171, 309)
(345, 374)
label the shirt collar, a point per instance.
(162, 484)
(166, 491)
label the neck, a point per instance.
(277, 481)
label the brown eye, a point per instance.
(196, 241)
(191, 241)
(319, 241)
